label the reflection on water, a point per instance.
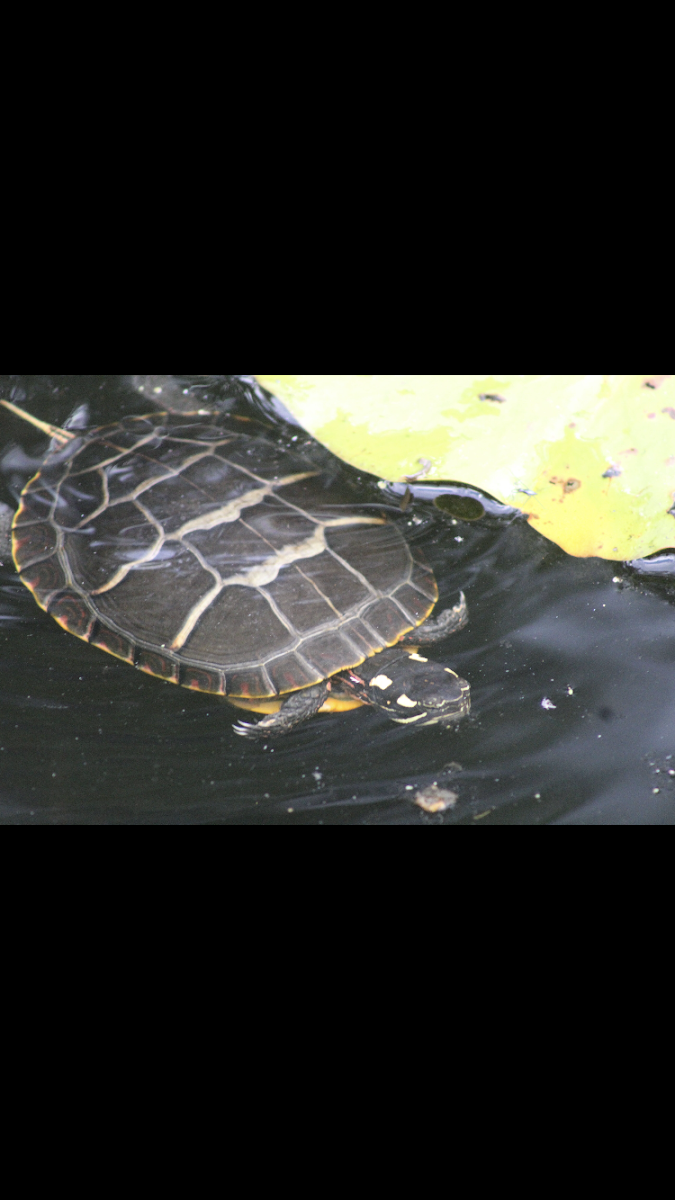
(86, 739)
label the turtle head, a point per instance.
(410, 689)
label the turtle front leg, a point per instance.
(299, 707)
(450, 621)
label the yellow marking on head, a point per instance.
(381, 682)
(406, 702)
(416, 658)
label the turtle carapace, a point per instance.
(200, 551)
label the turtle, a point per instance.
(201, 551)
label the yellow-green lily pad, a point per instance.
(589, 458)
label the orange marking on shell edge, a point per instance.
(84, 637)
(32, 591)
(127, 658)
(156, 675)
(194, 685)
(390, 645)
(122, 657)
(15, 537)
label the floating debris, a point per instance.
(435, 799)
(426, 465)
(656, 381)
(461, 508)
(548, 705)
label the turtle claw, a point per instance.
(435, 630)
(295, 709)
(258, 729)
(245, 729)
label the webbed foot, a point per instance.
(299, 707)
(450, 621)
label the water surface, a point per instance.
(84, 739)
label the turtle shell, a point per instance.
(203, 553)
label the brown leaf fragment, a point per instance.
(656, 381)
(435, 799)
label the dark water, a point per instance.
(84, 739)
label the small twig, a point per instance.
(53, 431)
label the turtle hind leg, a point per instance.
(299, 707)
(450, 621)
